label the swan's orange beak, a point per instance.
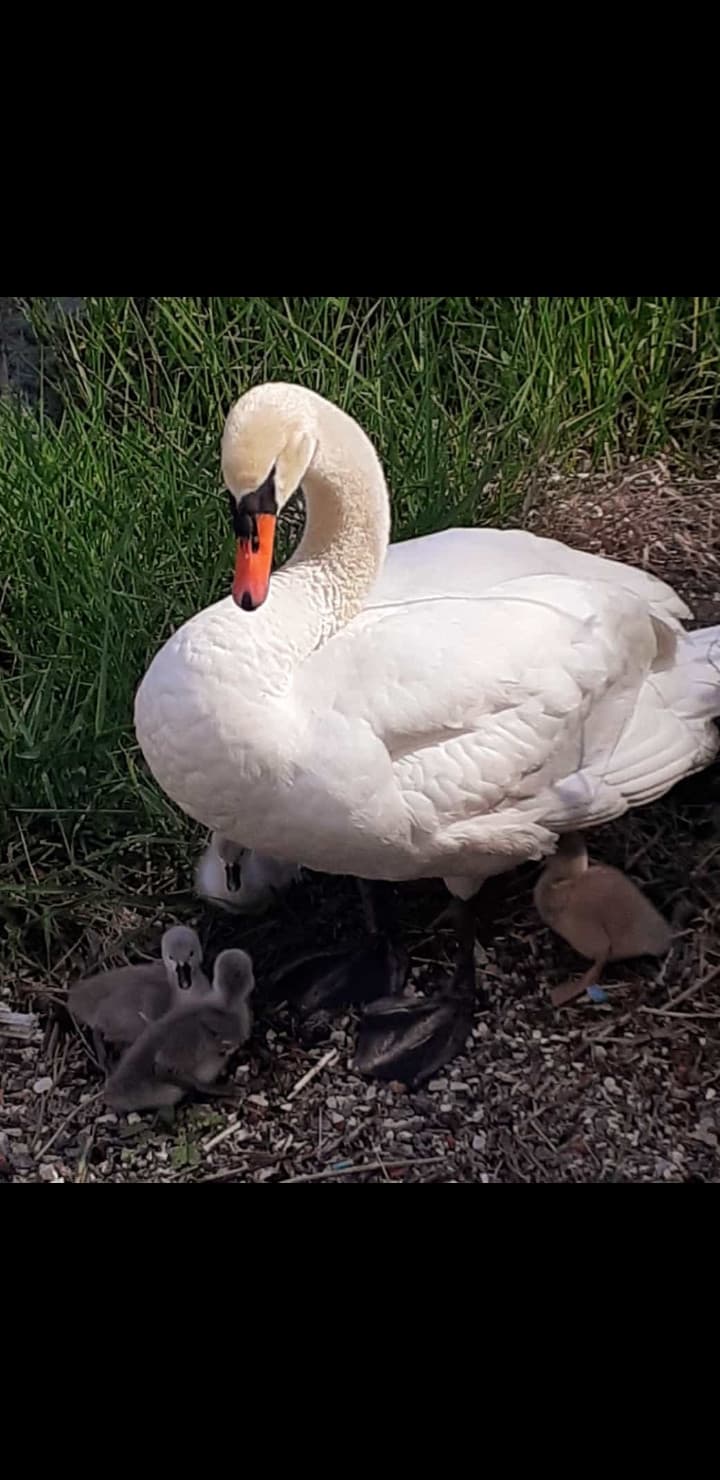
(253, 563)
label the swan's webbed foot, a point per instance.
(569, 991)
(405, 1038)
(342, 978)
(410, 1038)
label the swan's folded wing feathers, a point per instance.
(469, 562)
(471, 726)
(464, 716)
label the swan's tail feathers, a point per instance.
(670, 734)
(691, 687)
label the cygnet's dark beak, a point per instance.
(184, 975)
(233, 877)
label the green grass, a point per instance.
(113, 531)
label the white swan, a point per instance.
(445, 707)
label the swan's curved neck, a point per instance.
(347, 524)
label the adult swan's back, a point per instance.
(442, 707)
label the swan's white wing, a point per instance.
(469, 562)
(537, 704)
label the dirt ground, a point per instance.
(622, 1091)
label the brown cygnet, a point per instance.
(118, 1005)
(598, 911)
(189, 1047)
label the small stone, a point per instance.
(610, 1084)
(436, 1085)
(43, 1086)
(49, 1173)
(134, 1118)
(479, 1142)
(710, 1094)
(260, 1101)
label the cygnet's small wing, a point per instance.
(577, 916)
(135, 1084)
(119, 1003)
(635, 927)
(196, 1046)
(631, 923)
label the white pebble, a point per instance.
(43, 1086)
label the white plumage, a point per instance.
(444, 707)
